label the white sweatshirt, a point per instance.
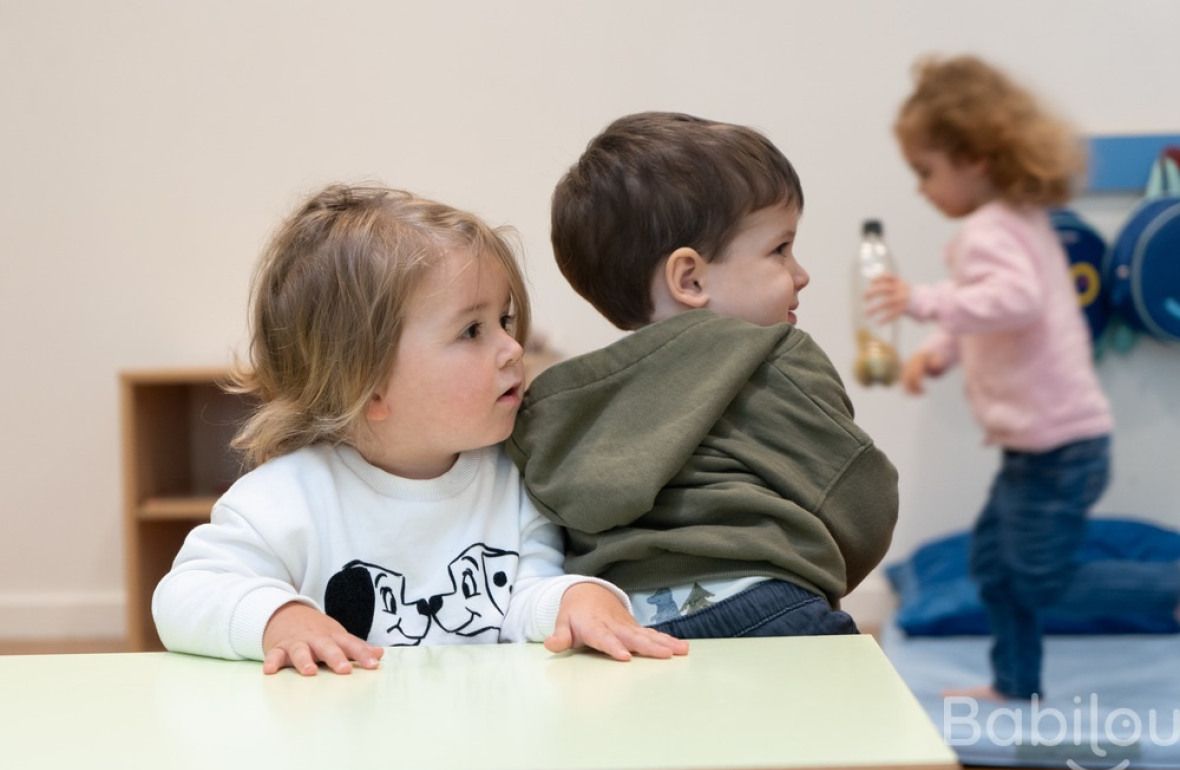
(399, 562)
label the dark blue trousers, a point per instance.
(1024, 549)
(769, 608)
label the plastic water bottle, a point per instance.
(876, 343)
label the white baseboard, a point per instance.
(93, 615)
(871, 603)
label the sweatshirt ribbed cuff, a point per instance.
(250, 617)
(549, 603)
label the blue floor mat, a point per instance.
(1111, 701)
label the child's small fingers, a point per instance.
(607, 641)
(883, 309)
(333, 657)
(653, 644)
(615, 648)
(678, 646)
(646, 642)
(275, 660)
(301, 659)
(639, 641)
(560, 640)
(359, 650)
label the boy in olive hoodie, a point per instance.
(708, 463)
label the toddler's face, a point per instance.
(956, 188)
(457, 380)
(757, 277)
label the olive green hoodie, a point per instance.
(704, 447)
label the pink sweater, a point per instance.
(1010, 314)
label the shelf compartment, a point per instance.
(177, 460)
(174, 508)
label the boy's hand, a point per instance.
(887, 297)
(919, 366)
(299, 636)
(591, 616)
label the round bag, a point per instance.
(1086, 249)
(1142, 271)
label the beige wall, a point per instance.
(147, 149)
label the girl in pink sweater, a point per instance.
(986, 153)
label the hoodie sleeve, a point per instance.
(860, 510)
(858, 500)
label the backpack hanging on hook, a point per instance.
(1086, 249)
(1142, 270)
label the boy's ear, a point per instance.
(376, 410)
(684, 277)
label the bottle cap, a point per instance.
(872, 227)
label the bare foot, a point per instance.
(982, 692)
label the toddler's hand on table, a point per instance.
(300, 636)
(887, 297)
(591, 616)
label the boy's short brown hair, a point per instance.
(649, 184)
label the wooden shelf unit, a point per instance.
(177, 425)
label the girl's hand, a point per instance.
(919, 366)
(300, 636)
(887, 297)
(591, 616)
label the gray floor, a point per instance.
(1110, 702)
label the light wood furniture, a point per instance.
(177, 424)
(805, 702)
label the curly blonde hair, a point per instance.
(972, 111)
(327, 306)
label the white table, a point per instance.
(809, 702)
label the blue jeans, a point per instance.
(770, 608)
(1024, 546)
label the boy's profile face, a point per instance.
(757, 278)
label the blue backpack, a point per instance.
(1086, 249)
(1142, 269)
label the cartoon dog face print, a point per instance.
(370, 602)
(481, 577)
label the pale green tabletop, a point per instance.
(811, 702)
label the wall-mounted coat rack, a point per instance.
(1120, 163)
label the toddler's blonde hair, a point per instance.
(328, 302)
(972, 111)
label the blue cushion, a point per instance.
(937, 596)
